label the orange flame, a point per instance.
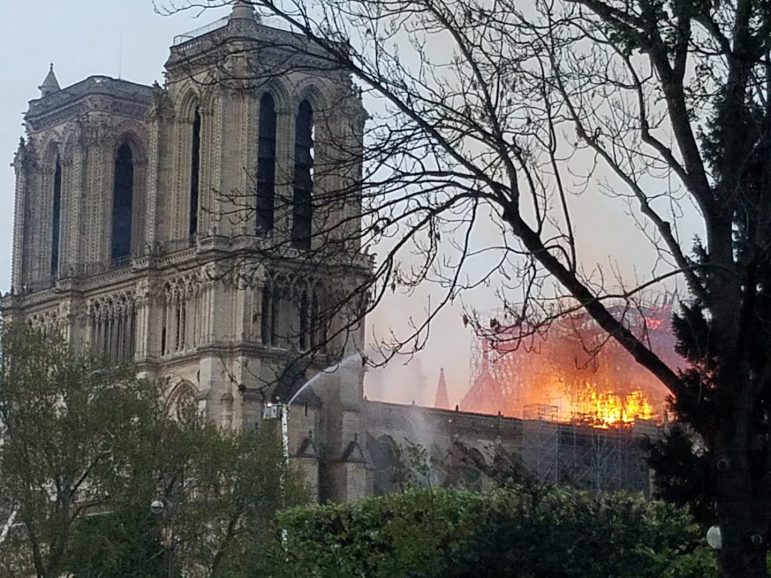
(612, 409)
(574, 373)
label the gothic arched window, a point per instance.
(122, 202)
(195, 171)
(56, 217)
(266, 164)
(302, 207)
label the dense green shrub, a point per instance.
(524, 533)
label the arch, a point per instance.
(279, 91)
(128, 189)
(310, 91)
(266, 163)
(50, 202)
(122, 202)
(188, 100)
(181, 400)
(302, 199)
(56, 214)
(195, 173)
(51, 150)
(209, 98)
(383, 453)
(71, 138)
(134, 135)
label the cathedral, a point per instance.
(209, 230)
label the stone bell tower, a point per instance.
(208, 229)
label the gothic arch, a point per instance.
(303, 181)
(181, 398)
(188, 100)
(280, 93)
(132, 134)
(208, 101)
(51, 148)
(309, 90)
(382, 451)
(71, 137)
(128, 190)
(48, 204)
(292, 311)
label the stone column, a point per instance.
(20, 224)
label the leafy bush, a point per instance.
(523, 533)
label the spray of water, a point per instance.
(349, 362)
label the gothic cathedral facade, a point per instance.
(207, 230)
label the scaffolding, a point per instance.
(541, 442)
(599, 460)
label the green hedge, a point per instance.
(524, 533)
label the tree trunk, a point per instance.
(741, 508)
(740, 559)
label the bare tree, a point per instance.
(484, 115)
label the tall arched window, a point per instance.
(56, 217)
(195, 170)
(302, 208)
(266, 164)
(122, 202)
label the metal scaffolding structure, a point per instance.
(582, 456)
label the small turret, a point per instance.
(50, 84)
(243, 10)
(442, 399)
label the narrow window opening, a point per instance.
(304, 321)
(122, 203)
(276, 317)
(266, 165)
(302, 209)
(266, 327)
(316, 339)
(56, 218)
(195, 171)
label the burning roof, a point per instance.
(574, 369)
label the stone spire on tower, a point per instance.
(50, 84)
(442, 399)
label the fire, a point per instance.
(573, 373)
(611, 409)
